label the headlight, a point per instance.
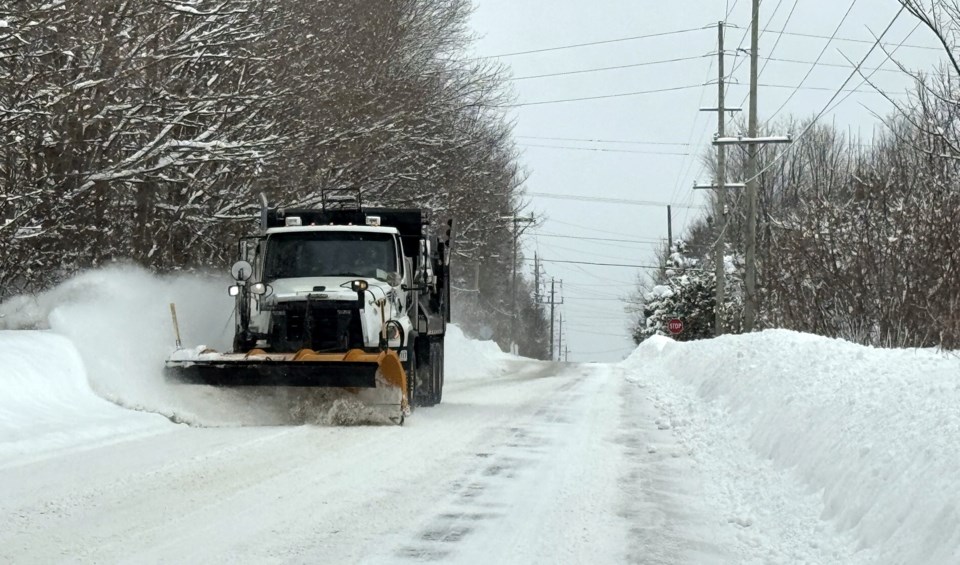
(359, 285)
(258, 288)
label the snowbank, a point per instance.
(872, 436)
(46, 402)
(468, 359)
(118, 320)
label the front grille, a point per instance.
(330, 326)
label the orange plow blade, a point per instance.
(376, 379)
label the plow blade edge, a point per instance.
(353, 369)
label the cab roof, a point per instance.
(334, 228)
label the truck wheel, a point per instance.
(436, 366)
(426, 373)
(412, 376)
(440, 372)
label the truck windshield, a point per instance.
(329, 254)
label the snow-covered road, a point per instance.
(776, 447)
(545, 463)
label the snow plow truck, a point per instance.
(341, 297)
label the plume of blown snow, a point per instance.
(118, 318)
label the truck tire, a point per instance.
(412, 375)
(428, 370)
(436, 363)
(420, 372)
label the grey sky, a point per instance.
(652, 171)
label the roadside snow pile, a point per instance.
(118, 319)
(46, 402)
(871, 437)
(470, 359)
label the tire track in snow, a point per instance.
(518, 475)
(663, 490)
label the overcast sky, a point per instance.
(668, 131)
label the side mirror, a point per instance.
(394, 279)
(241, 270)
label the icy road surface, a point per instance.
(547, 463)
(543, 464)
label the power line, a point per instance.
(821, 88)
(589, 140)
(637, 241)
(603, 69)
(604, 96)
(779, 37)
(826, 107)
(602, 42)
(603, 149)
(602, 264)
(605, 200)
(665, 61)
(587, 284)
(583, 227)
(851, 40)
(835, 65)
(564, 251)
(817, 61)
(686, 164)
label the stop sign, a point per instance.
(675, 326)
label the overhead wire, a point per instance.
(853, 40)
(583, 227)
(601, 199)
(766, 60)
(605, 239)
(587, 252)
(604, 149)
(604, 69)
(839, 91)
(603, 96)
(830, 39)
(598, 264)
(618, 95)
(590, 140)
(693, 128)
(779, 37)
(592, 43)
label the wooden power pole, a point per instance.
(719, 249)
(752, 141)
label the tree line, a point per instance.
(145, 131)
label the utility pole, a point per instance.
(752, 180)
(750, 300)
(721, 179)
(560, 336)
(669, 231)
(553, 302)
(517, 220)
(720, 186)
(536, 277)
(566, 354)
